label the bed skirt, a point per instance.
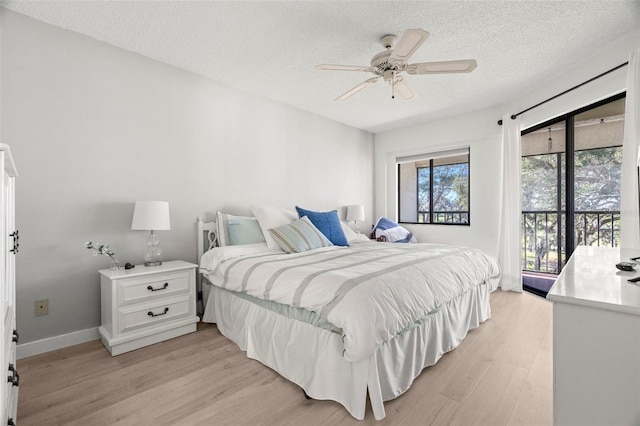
(311, 357)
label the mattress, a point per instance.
(291, 312)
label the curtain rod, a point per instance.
(513, 117)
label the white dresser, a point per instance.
(596, 340)
(8, 250)
(146, 305)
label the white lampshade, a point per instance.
(151, 215)
(355, 212)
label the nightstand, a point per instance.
(147, 304)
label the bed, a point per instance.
(345, 323)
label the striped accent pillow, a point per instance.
(299, 236)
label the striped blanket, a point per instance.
(372, 291)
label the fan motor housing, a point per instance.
(381, 63)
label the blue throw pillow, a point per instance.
(392, 232)
(328, 223)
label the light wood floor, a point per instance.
(501, 374)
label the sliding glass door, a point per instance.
(571, 168)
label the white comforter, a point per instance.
(372, 291)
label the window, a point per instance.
(434, 188)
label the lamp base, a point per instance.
(355, 227)
(153, 256)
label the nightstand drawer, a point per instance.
(136, 290)
(145, 315)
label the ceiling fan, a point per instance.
(392, 62)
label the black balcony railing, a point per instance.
(452, 217)
(543, 244)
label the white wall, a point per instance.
(594, 64)
(480, 131)
(94, 128)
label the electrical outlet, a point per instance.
(41, 307)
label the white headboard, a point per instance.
(207, 236)
(207, 239)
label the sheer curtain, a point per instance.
(510, 208)
(629, 217)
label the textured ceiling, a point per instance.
(270, 48)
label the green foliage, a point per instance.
(423, 189)
(450, 188)
(539, 182)
(597, 204)
(100, 249)
(597, 180)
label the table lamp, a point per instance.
(151, 216)
(355, 213)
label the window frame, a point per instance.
(569, 169)
(430, 156)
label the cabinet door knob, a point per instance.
(150, 288)
(16, 336)
(151, 314)
(10, 422)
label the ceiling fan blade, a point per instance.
(401, 87)
(410, 41)
(330, 67)
(356, 89)
(444, 67)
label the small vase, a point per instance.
(115, 265)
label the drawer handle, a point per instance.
(165, 286)
(15, 337)
(151, 314)
(16, 241)
(14, 378)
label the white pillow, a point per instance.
(222, 223)
(245, 231)
(351, 234)
(348, 232)
(272, 217)
(360, 237)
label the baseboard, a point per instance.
(58, 342)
